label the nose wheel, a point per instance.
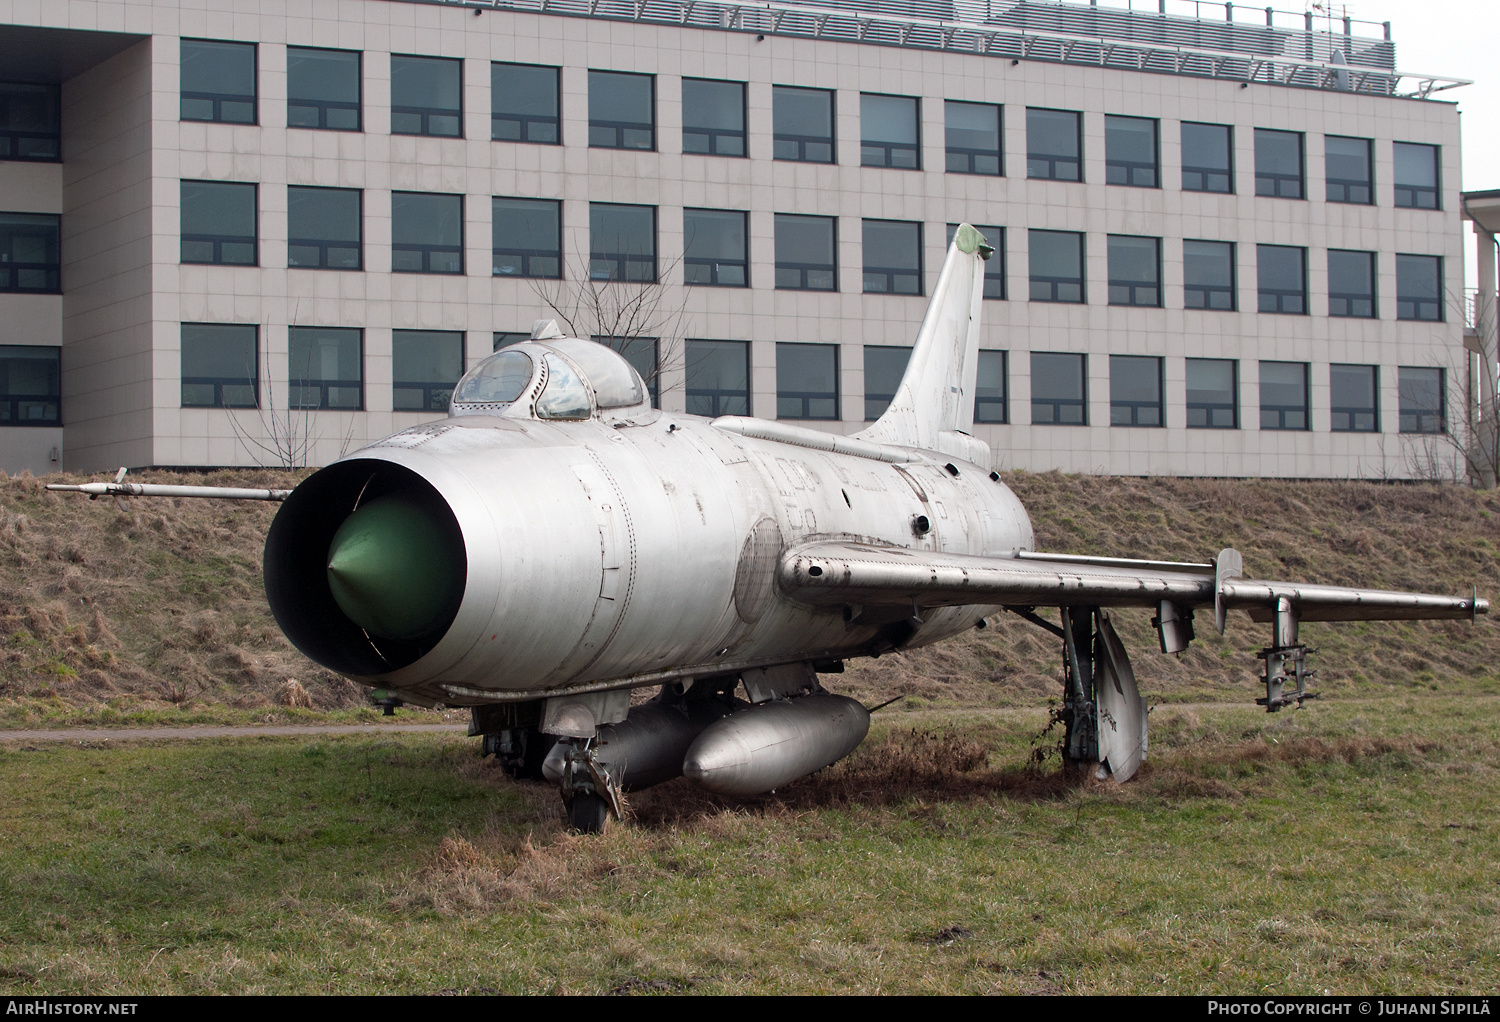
(590, 794)
(588, 813)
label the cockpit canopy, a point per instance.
(551, 377)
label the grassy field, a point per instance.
(1349, 847)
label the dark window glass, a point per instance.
(642, 353)
(622, 110)
(991, 393)
(1417, 176)
(218, 223)
(994, 266)
(973, 138)
(323, 228)
(1059, 389)
(884, 367)
(325, 367)
(220, 366)
(217, 81)
(30, 122)
(524, 104)
(1135, 391)
(1419, 287)
(805, 253)
(807, 381)
(715, 248)
(1281, 273)
(1421, 400)
(718, 378)
(1213, 393)
(713, 117)
(1130, 152)
(30, 255)
(1352, 394)
(888, 132)
(1056, 266)
(893, 257)
(1207, 157)
(425, 367)
(1283, 396)
(1278, 163)
(1349, 170)
(1134, 270)
(802, 124)
(622, 242)
(526, 236)
(323, 89)
(504, 339)
(427, 233)
(1054, 145)
(1208, 275)
(1351, 284)
(427, 96)
(30, 385)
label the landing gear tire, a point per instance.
(588, 813)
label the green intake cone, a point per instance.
(394, 569)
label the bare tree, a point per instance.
(289, 432)
(1469, 446)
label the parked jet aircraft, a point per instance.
(556, 542)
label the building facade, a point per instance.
(242, 234)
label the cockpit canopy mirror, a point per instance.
(555, 378)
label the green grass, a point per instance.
(1348, 847)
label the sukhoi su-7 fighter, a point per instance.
(556, 542)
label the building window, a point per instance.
(716, 248)
(217, 81)
(325, 368)
(805, 253)
(1283, 395)
(994, 266)
(220, 366)
(525, 104)
(1054, 145)
(323, 228)
(1417, 176)
(1059, 389)
(1349, 170)
(218, 223)
(1281, 273)
(1419, 287)
(718, 378)
(1421, 399)
(30, 254)
(1213, 393)
(427, 96)
(643, 355)
(893, 257)
(30, 122)
(1351, 284)
(991, 392)
(425, 367)
(622, 110)
(622, 242)
(973, 138)
(1134, 270)
(323, 89)
(1278, 163)
(807, 381)
(1208, 275)
(526, 237)
(427, 233)
(802, 124)
(889, 135)
(713, 117)
(1130, 152)
(1056, 266)
(1352, 394)
(504, 339)
(884, 367)
(30, 385)
(1207, 157)
(1135, 391)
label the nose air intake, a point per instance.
(391, 569)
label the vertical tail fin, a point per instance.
(934, 407)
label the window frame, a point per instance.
(1280, 410)
(805, 268)
(1204, 172)
(309, 382)
(1420, 414)
(1280, 294)
(1130, 285)
(981, 400)
(891, 273)
(717, 397)
(1129, 166)
(220, 382)
(714, 133)
(689, 261)
(322, 245)
(1134, 407)
(1331, 182)
(803, 141)
(428, 250)
(11, 269)
(889, 149)
(883, 401)
(524, 121)
(620, 127)
(1414, 190)
(1232, 289)
(623, 260)
(1373, 410)
(426, 113)
(968, 154)
(1056, 404)
(1349, 310)
(219, 98)
(1276, 178)
(219, 240)
(1055, 282)
(1052, 159)
(11, 138)
(1210, 407)
(525, 255)
(12, 402)
(324, 105)
(1409, 307)
(806, 397)
(429, 388)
